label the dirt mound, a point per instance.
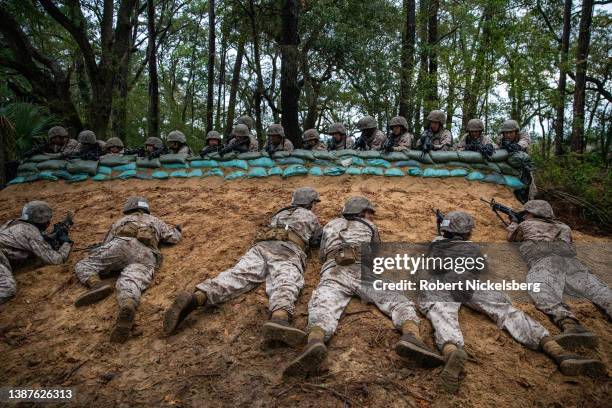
(218, 359)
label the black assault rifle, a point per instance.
(439, 219)
(497, 208)
(60, 231)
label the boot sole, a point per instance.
(451, 374)
(308, 362)
(419, 354)
(122, 329)
(173, 316)
(286, 334)
(93, 296)
(588, 367)
(572, 341)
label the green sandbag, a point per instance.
(494, 178)
(104, 170)
(76, 178)
(249, 155)
(353, 171)
(24, 179)
(507, 169)
(415, 171)
(499, 155)
(475, 176)
(124, 167)
(204, 163)
(179, 174)
(124, 175)
(458, 173)
(394, 156)
(289, 160)
(175, 166)
(407, 163)
(518, 160)
(159, 174)
(226, 156)
(113, 160)
(173, 158)
(280, 154)
(322, 163)
(315, 171)
(480, 166)
(63, 174)
(148, 164)
(214, 172)
(144, 176)
(257, 172)
(52, 165)
(100, 177)
(303, 154)
(441, 156)
(373, 171)
(37, 158)
(334, 171)
(323, 155)
(47, 175)
(239, 164)
(262, 162)
(467, 156)
(494, 167)
(235, 175)
(378, 163)
(419, 156)
(429, 172)
(275, 171)
(295, 170)
(369, 154)
(514, 182)
(346, 152)
(394, 172)
(350, 161)
(195, 173)
(457, 164)
(78, 166)
(27, 167)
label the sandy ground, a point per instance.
(218, 358)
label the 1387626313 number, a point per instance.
(15, 394)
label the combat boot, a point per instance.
(125, 321)
(412, 347)
(279, 329)
(574, 335)
(310, 360)
(571, 364)
(453, 368)
(183, 304)
(98, 290)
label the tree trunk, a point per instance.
(407, 60)
(231, 106)
(259, 90)
(565, 40)
(153, 117)
(432, 40)
(210, 97)
(423, 58)
(221, 84)
(290, 90)
(582, 54)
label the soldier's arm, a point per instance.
(445, 141)
(378, 142)
(515, 232)
(41, 248)
(524, 141)
(170, 235)
(288, 146)
(404, 143)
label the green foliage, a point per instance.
(25, 125)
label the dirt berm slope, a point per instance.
(218, 358)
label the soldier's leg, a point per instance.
(583, 282)
(549, 273)
(8, 286)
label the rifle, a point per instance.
(387, 147)
(360, 143)
(210, 149)
(439, 219)
(486, 150)
(497, 208)
(426, 145)
(235, 145)
(510, 146)
(60, 231)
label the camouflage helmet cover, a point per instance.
(336, 128)
(367, 122)
(213, 134)
(356, 204)
(539, 208)
(87, 137)
(304, 196)
(57, 131)
(155, 142)
(437, 116)
(457, 222)
(136, 203)
(310, 134)
(241, 130)
(246, 120)
(114, 142)
(276, 129)
(177, 136)
(509, 126)
(36, 212)
(475, 125)
(398, 121)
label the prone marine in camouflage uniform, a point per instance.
(114, 145)
(130, 248)
(276, 139)
(442, 308)
(311, 140)
(341, 280)
(214, 143)
(90, 147)
(371, 137)
(277, 258)
(474, 140)
(23, 238)
(177, 143)
(547, 249)
(58, 145)
(399, 139)
(435, 137)
(249, 123)
(339, 139)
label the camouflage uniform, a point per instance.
(484, 140)
(442, 140)
(524, 140)
(70, 148)
(136, 261)
(339, 283)
(285, 146)
(348, 143)
(278, 263)
(376, 141)
(403, 142)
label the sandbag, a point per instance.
(281, 154)
(494, 178)
(323, 163)
(373, 171)
(62, 174)
(262, 162)
(334, 171)
(353, 171)
(256, 172)
(475, 176)
(160, 174)
(419, 156)
(195, 173)
(37, 158)
(509, 170)
(289, 160)
(214, 172)
(113, 160)
(520, 160)
(323, 155)
(369, 154)
(429, 172)
(295, 170)
(235, 175)
(458, 173)
(27, 167)
(23, 179)
(442, 156)
(104, 170)
(124, 175)
(144, 176)
(148, 163)
(275, 171)
(351, 161)
(415, 171)
(78, 178)
(457, 164)
(467, 156)
(249, 155)
(499, 155)
(78, 166)
(204, 163)
(315, 171)
(124, 167)
(378, 163)
(514, 182)
(346, 152)
(225, 157)
(407, 163)
(175, 165)
(179, 174)
(173, 158)
(394, 172)
(239, 164)
(494, 167)
(52, 165)
(303, 154)
(100, 177)
(394, 156)
(480, 166)
(47, 175)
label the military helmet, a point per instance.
(475, 125)
(437, 116)
(310, 134)
(241, 130)
(246, 120)
(509, 125)
(156, 142)
(356, 204)
(457, 222)
(36, 212)
(398, 121)
(336, 128)
(57, 131)
(136, 203)
(114, 142)
(539, 208)
(367, 122)
(87, 137)
(304, 196)
(276, 129)
(213, 134)
(177, 136)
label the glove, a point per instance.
(178, 227)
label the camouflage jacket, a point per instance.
(300, 220)
(20, 240)
(164, 232)
(524, 140)
(402, 142)
(376, 141)
(483, 140)
(71, 148)
(348, 144)
(536, 229)
(341, 231)
(286, 146)
(440, 141)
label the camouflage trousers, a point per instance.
(558, 275)
(277, 263)
(135, 262)
(444, 317)
(8, 286)
(338, 285)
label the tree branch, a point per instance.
(600, 85)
